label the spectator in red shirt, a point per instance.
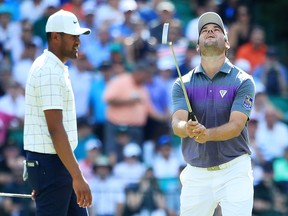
(255, 50)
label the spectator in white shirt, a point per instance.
(272, 135)
(131, 169)
(106, 190)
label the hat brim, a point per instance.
(208, 18)
(80, 31)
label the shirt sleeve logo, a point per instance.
(248, 101)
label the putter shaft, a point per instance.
(16, 195)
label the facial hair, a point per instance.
(212, 48)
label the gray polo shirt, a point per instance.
(212, 101)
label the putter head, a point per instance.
(165, 33)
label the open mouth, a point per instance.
(210, 36)
(76, 49)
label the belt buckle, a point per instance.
(214, 168)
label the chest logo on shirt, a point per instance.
(223, 93)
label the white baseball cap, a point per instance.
(131, 149)
(66, 22)
(93, 144)
(127, 5)
(166, 6)
(210, 17)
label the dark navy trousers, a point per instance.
(53, 185)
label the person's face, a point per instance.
(103, 171)
(212, 40)
(166, 150)
(69, 45)
(140, 77)
(257, 37)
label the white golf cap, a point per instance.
(210, 17)
(66, 22)
(131, 149)
(166, 6)
(127, 5)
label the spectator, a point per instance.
(93, 148)
(130, 171)
(85, 135)
(89, 21)
(133, 201)
(9, 154)
(9, 29)
(244, 64)
(260, 105)
(167, 178)
(239, 31)
(32, 10)
(116, 154)
(101, 43)
(119, 31)
(81, 76)
(160, 99)
(13, 105)
(273, 74)
(165, 156)
(26, 37)
(191, 31)
(5, 74)
(272, 135)
(106, 190)
(280, 167)
(39, 25)
(254, 50)
(145, 198)
(131, 106)
(165, 77)
(17, 206)
(21, 67)
(119, 59)
(13, 8)
(5, 120)
(268, 199)
(191, 59)
(97, 105)
(256, 154)
(166, 12)
(180, 44)
(138, 45)
(147, 10)
(109, 13)
(75, 6)
(228, 11)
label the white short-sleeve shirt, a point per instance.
(48, 87)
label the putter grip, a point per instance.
(191, 116)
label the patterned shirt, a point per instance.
(212, 100)
(48, 87)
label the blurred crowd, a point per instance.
(122, 81)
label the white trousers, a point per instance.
(230, 187)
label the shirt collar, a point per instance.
(225, 68)
(55, 58)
